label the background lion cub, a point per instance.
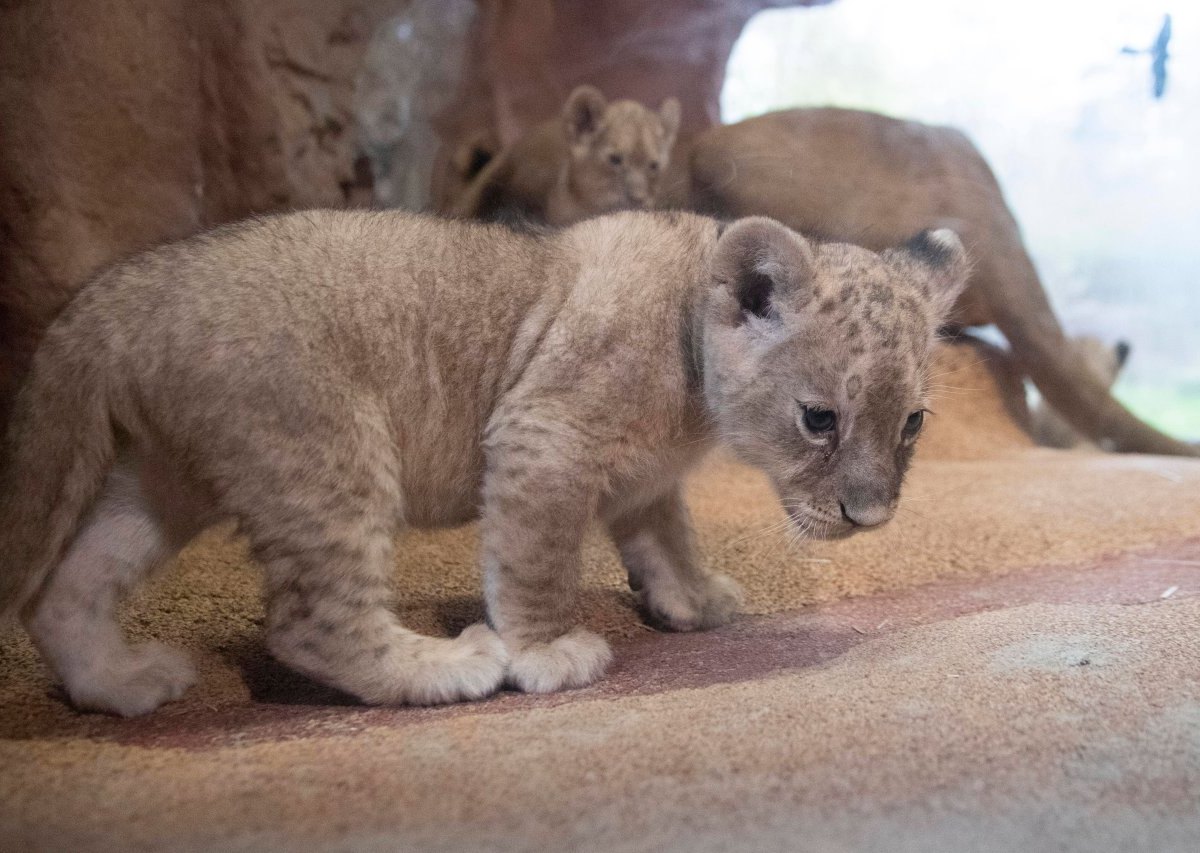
(328, 378)
(595, 158)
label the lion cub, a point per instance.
(326, 379)
(595, 158)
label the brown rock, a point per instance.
(126, 124)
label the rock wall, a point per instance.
(133, 122)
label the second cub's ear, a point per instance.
(670, 112)
(944, 260)
(764, 266)
(474, 154)
(583, 113)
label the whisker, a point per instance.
(760, 533)
(958, 369)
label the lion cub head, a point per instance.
(617, 152)
(815, 362)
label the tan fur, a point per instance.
(1105, 363)
(870, 179)
(326, 379)
(595, 158)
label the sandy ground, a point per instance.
(997, 669)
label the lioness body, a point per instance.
(870, 179)
(326, 379)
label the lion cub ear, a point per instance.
(940, 254)
(670, 112)
(474, 154)
(759, 268)
(583, 114)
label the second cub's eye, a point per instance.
(912, 425)
(652, 165)
(616, 159)
(819, 420)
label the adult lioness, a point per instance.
(597, 157)
(327, 378)
(870, 179)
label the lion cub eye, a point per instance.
(616, 159)
(912, 425)
(818, 420)
(652, 165)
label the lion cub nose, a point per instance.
(866, 515)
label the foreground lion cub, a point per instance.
(328, 378)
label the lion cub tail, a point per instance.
(60, 445)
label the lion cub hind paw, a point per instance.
(575, 659)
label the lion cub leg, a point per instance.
(328, 617)
(327, 543)
(657, 548)
(537, 506)
(73, 620)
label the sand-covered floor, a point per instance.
(997, 669)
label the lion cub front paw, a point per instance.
(148, 676)
(575, 659)
(712, 602)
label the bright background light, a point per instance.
(1104, 179)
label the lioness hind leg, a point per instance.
(73, 619)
